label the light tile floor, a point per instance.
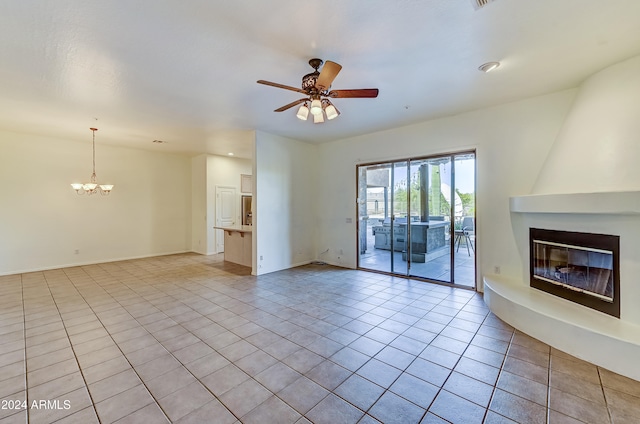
(191, 339)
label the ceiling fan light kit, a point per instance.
(303, 112)
(316, 107)
(329, 109)
(316, 86)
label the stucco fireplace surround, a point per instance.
(589, 183)
(613, 343)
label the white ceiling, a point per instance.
(185, 71)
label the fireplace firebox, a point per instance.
(580, 267)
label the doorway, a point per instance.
(416, 218)
(225, 212)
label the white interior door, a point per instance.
(225, 212)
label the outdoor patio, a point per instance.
(436, 268)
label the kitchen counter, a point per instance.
(237, 228)
(238, 244)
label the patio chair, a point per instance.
(466, 232)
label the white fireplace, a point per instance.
(589, 183)
(613, 343)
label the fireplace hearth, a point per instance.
(580, 267)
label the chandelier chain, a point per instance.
(93, 187)
(93, 176)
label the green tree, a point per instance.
(399, 200)
(436, 208)
(468, 202)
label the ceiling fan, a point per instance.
(316, 87)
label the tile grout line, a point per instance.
(243, 338)
(416, 356)
(452, 369)
(121, 297)
(284, 320)
(415, 359)
(387, 389)
(495, 386)
(24, 332)
(160, 343)
(118, 346)
(363, 313)
(604, 395)
(548, 415)
(190, 332)
(354, 372)
(75, 356)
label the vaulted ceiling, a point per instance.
(185, 72)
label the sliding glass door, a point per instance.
(409, 213)
(464, 219)
(376, 202)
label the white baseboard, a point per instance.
(102, 261)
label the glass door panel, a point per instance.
(399, 218)
(374, 216)
(430, 221)
(465, 231)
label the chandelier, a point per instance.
(93, 187)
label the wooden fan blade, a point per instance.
(286, 87)
(290, 105)
(362, 93)
(327, 75)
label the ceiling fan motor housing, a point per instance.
(309, 82)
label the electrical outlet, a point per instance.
(260, 257)
(77, 251)
(349, 220)
(496, 269)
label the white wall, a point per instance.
(223, 171)
(284, 203)
(199, 204)
(511, 142)
(43, 221)
(598, 147)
